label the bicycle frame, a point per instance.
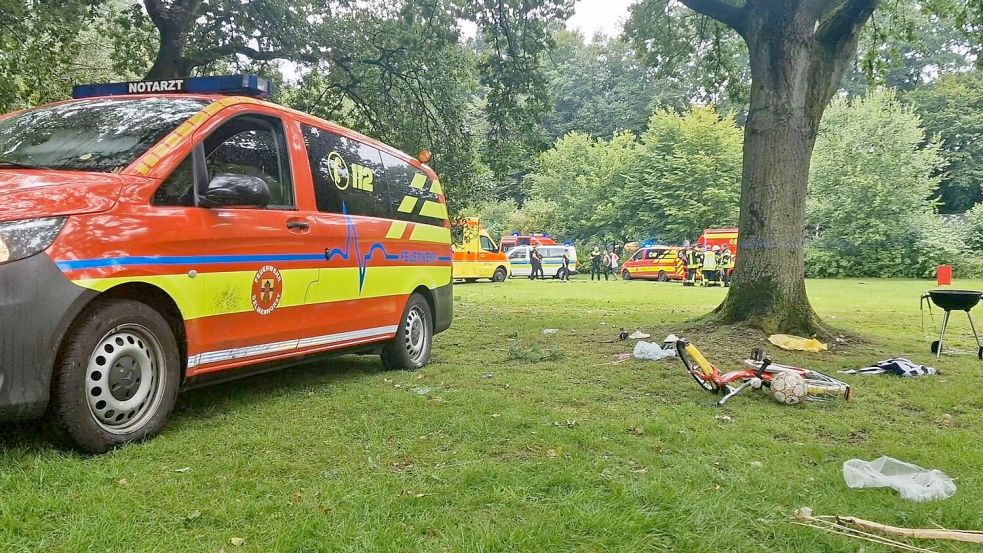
(759, 373)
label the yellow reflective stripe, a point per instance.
(436, 188)
(211, 294)
(407, 205)
(430, 233)
(396, 230)
(418, 181)
(436, 210)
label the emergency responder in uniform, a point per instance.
(710, 266)
(727, 264)
(692, 262)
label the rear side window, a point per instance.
(412, 196)
(347, 175)
(517, 254)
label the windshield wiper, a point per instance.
(20, 164)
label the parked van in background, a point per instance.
(552, 260)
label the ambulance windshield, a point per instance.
(101, 135)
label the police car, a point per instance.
(159, 235)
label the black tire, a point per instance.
(403, 353)
(500, 275)
(663, 277)
(625, 275)
(95, 411)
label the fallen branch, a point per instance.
(969, 536)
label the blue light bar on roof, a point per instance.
(238, 85)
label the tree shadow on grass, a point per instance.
(30, 438)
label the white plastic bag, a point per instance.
(911, 481)
(651, 350)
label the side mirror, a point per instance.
(236, 190)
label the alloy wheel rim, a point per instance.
(124, 380)
(416, 334)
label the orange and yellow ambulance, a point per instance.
(158, 235)
(476, 255)
(660, 263)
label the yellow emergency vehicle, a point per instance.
(476, 255)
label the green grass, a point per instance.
(557, 450)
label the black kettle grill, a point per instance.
(949, 301)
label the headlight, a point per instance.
(20, 239)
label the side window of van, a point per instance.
(487, 244)
(251, 145)
(410, 193)
(348, 175)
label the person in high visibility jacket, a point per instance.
(727, 264)
(710, 266)
(691, 259)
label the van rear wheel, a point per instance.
(662, 276)
(413, 344)
(116, 378)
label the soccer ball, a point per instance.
(789, 388)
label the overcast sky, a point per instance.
(606, 16)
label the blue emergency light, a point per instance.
(236, 85)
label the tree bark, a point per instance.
(169, 63)
(795, 71)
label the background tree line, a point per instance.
(595, 138)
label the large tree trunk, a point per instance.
(169, 63)
(793, 78)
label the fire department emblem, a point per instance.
(267, 289)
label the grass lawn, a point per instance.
(513, 440)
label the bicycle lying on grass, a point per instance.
(788, 385)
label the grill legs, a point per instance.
(937, 346)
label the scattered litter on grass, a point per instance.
(639, 335)
(623, 335)
(496, 415)
(422, 391)
(968, 536)
(724, 417)
(911, 481)
(756, 464)
(192, 515)
(123, 482)
(568, 424)
(636, 430)
(183, 469)
(898, 366)
(238, 542)
(486, 376)
(552, 453)
(652, 351)
(797, 343)
(549, 331)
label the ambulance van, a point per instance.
(476, 255)
(159, 235)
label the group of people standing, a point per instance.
(714, 263)
(605, 263)
(536, 260)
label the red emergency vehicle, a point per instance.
(510, 241)
(156, 235)
(720, 237)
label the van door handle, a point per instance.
(298, 225)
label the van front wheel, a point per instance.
(499, 275)
(412, 346)
(116, 378)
